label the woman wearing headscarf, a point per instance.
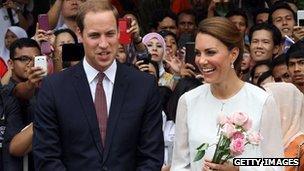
(157, 48)
(291, 104)
(12, 33)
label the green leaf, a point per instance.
(204, 146)
(200, 154)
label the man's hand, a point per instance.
(35, 75)
(298, 33)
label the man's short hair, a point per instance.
(21, 43)
(187, 12)
(237, 12)
(279, 60)
(159, 15)
(280, 5)
(276, 34)
(260, 11)
(94, 6)
(295, 51)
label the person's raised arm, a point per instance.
(21, 144)
(54, 13)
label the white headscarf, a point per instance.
(291, 103)
(19, 32)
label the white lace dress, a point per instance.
(196, 123)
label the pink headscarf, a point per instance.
(160, 39)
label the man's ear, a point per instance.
(276, 49)
(79, 34)
(10, 64)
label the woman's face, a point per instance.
(246, 61)
(156, 49)
(259, 70)
(61, 39)
(10, 37)
(121, 54)
(171, 45)
(213, 58)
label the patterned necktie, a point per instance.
(101, 108)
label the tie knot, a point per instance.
(100, 76)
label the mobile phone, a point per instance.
(124, 24)
(72, 52)
(145, 56)
(41, 61)
(184, 38)
(43, 21)
(190, 54)
(300, 15)
(45, 47)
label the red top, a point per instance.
(180, 5)
(3, 67)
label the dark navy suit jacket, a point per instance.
(66, 133)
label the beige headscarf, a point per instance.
(291, 103)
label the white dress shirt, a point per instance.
(108, 81)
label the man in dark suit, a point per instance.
(68, 125)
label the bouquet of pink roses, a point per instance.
(234, 135)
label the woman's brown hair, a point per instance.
(225, 31)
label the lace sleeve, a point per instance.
(181, 153)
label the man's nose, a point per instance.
(103, 42)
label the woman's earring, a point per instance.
(232, 65)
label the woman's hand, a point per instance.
(42, 35)
(174, 62)
(187, 70)
(208, 165)
(141, 66)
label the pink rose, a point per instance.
(228, 130)
(238, 135)
(237, 146)
(239, 118)
(248, 124)
(222, 119)
(254, 138)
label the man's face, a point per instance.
(70, 7)
(22, 61)
(281, 73)
(167, 24)
(284, 21)
(296, 69)
(240, 22)
(262, 18)
(262, 46)
(100, 39)
(186, 24)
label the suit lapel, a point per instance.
(82, 88)
(120, 87)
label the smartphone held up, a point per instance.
(124, 24)
(41, 61)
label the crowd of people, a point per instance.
(106, 102)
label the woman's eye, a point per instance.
(210, 52)
(197, 53)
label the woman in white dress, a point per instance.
(219, 47)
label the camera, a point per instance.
(300, 15)
(145, 56)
